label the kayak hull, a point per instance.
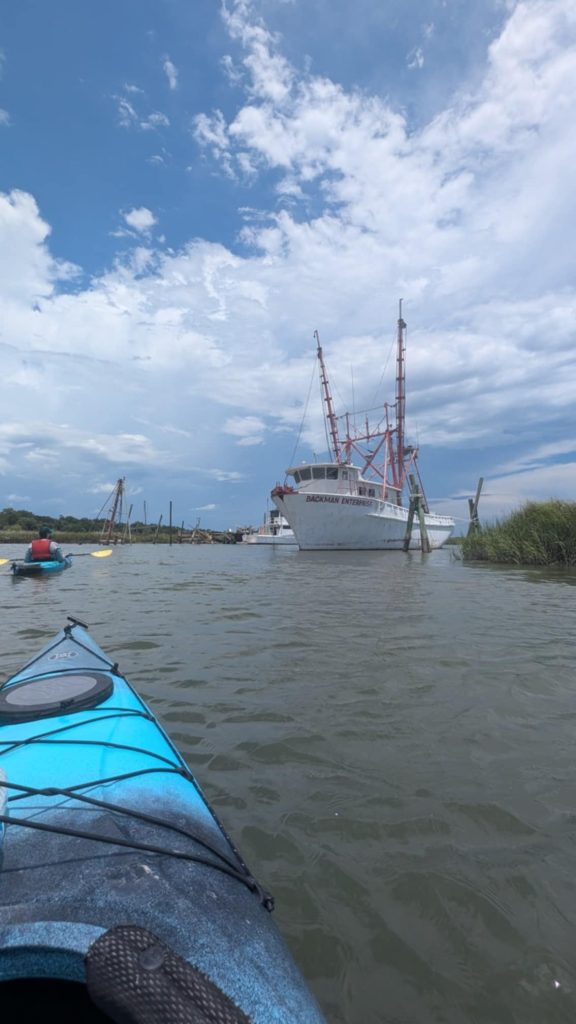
(39, 568)
(106, 827)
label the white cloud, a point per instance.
(171, 73)
(227, 476)
(453, 216)
(416, 58)
(102, 488)
(128, 117)
(232, 72)
(271, 75)
(154, 121)
(249, 430)
(141, 219)
(4, 118)
(28, 272)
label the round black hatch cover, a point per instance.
(46, 696)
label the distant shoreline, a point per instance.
(67, 537)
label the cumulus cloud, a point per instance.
(141, 219)
(453, 216)
(27, 269)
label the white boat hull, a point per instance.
(269, 539)
(327, 522)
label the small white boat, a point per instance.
(274, 530)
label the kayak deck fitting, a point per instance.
(121, 895)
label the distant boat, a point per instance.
(114, 531)
(274, 530)
(339, 505)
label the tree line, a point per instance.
(19, 526)
(22, 521)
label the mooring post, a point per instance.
(424, 538)
(416, 507)
(411, 511)
(473, 507)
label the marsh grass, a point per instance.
(540, 533)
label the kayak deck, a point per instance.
(105, 826)
(39, 568)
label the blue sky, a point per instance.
(189, 190)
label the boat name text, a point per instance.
(333, 499)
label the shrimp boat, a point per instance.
(347, 505)
(274, 530)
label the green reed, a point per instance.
(540, 533)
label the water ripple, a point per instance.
(389, 739)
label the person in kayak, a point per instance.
(44, 549)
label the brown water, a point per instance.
(389, 739)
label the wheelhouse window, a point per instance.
(331, 473)
(371, 492)
(318, 473)
(305, 474)
(344, 474)
(297, 476)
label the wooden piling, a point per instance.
(416, 507)
(473, 508)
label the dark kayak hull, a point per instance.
(39, 568)
(106, 829)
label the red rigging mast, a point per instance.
(382, 449)
(400, 402)
(327, 397)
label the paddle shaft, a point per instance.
(89, 554)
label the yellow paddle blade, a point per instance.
(4, 560)
(101, 554)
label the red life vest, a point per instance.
(41, 549)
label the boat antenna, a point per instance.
(400, 399)
(327, 397)
(304, 415)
